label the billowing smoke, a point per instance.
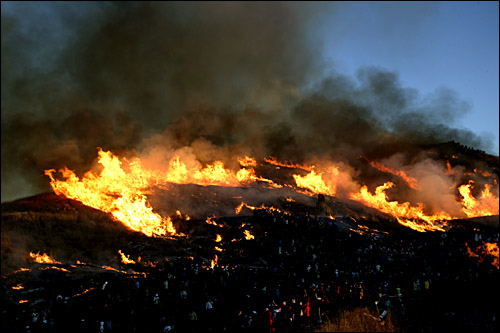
(213, 80)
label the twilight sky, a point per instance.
(452, 44)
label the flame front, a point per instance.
(43, 258)
(486, 205)
(124, 193)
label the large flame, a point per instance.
(42, 258)
(486, 205)
(403, 212)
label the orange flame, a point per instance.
(274, 161)
(125, 259)
(248, 235)
(43, 258)
(244, 204)
(404, 213)
(213, 262)
(219, 238)
(247, 161)
(484, 250)
(485, 206)
(18, 287)
(412, 182)
(316, 184)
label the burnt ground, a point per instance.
(301, 269)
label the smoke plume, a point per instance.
(213, 80)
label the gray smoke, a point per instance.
(221, 78)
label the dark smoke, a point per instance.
(221, 78)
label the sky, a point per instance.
(451, 44)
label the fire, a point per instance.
(316, 184)
(219, 238)
(410, 181)
(248, 235)
(244, 204)
(213, 262)
(125, 259)
(43, 258)
(247, 161)
(484, 250)
(18, 287)
(274, 161)
(404, 213)
(485, 206)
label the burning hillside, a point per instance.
(429, 193)
(201, 156)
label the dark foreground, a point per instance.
(297, 273)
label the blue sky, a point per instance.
(429, 44)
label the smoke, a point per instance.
(213, 79)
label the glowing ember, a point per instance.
(43, 258)
(248, 235)
(486, 205)
(18, 287)
(125, 259)
(219, 238)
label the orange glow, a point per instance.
(404, 213)
(125, 259)
(18, 287)
(43, 258)
(219, 238)
(486, 205)
(248, 235)
(23, 301)
(410, 181)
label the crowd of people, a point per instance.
(298, 272)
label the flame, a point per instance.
(492, 250)
(219, 238)
(125, 259)
(57, 269)
(18, 287)
(23, 301)
(486, 205)
(213, 262)
(315, 183)
(248, 235)
(43, 258)
(218, 249)
(274, 161)
(244, 204)
(404, 213)
(410, 181)
(484, 250)
(247, 161)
